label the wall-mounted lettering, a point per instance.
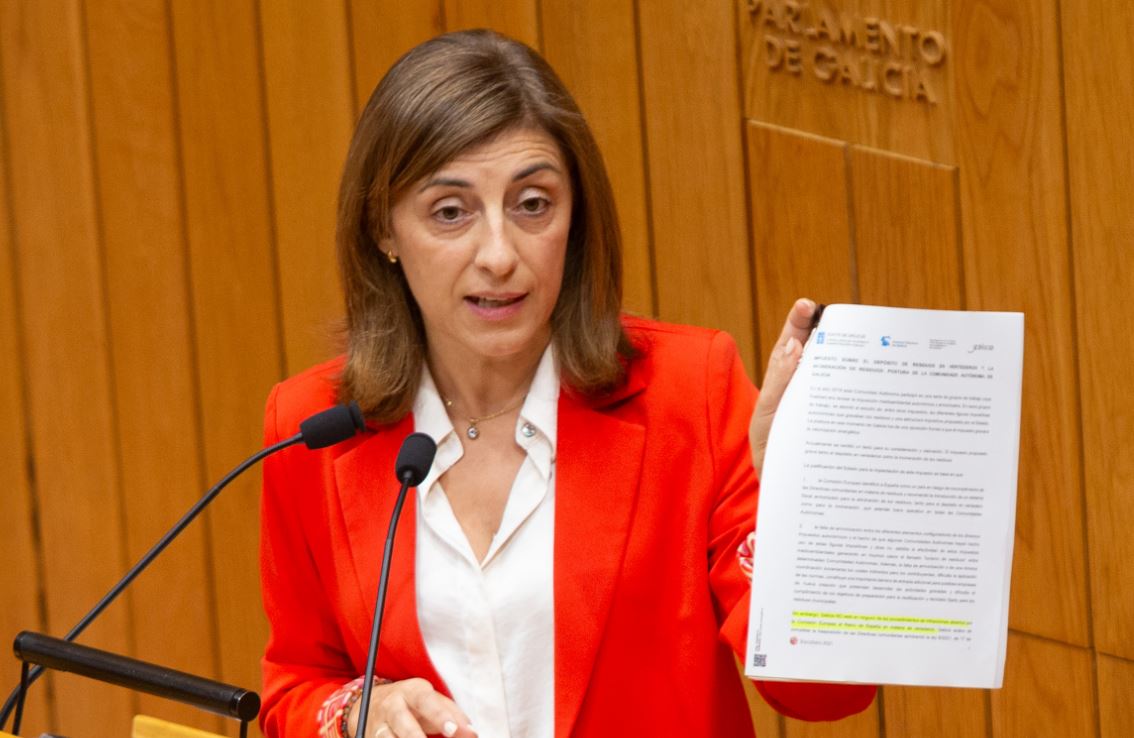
(840, 48)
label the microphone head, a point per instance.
(332, 426)
(415, 458)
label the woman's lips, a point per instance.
(496, 307)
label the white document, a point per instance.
(888, 501)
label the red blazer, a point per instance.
(654, 492)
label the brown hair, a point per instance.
(443, 97)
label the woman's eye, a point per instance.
(447, 214)
(534, 205)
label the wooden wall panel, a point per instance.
(516, 18)
(310, 102)
(66, 360)
(1116, 696)
(591, 45)
(838, 107)
(696, 164)
(235, 298)
(801, 227)
(920, 711)
(381, 31)
(21, 575)
(1047, 693)
(905, 225)
(863, 725)
(154, 391)
(1009, 153)
(1100, 117)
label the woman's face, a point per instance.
(482, 242)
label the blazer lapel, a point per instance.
(599, 458)
(367, 490)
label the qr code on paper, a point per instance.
(759, 659)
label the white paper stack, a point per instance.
(888, 499)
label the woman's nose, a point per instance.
(496, 250)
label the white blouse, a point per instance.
(489, 626)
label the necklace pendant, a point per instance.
(472, 433)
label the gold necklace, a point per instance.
(472, 431)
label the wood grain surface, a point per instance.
(516, 18)
(235, 297)
(20, 545)
(1100, 116)
(145, 726)
(801, 224)
(1116, 708)
(1013, 201)
(696, 165)
(907, 245)
(863, 725)
(381, 31)
(591, 45)
(929, 711)
(839, 106)
(154, 392)
(1048, 691)
(310, 105)
(66, 359)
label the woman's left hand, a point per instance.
(781, 366)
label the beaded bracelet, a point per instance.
(334, 715)
(344, 723)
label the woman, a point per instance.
(569, 565)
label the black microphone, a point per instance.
(414, 459)
(332, 426)
(322, 429)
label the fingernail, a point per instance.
(449, 729)
(789, 347)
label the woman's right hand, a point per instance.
(411, 709)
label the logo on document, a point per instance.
(885, 340)
(820, 337)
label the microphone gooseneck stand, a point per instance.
(414, 459)
(320, 430)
